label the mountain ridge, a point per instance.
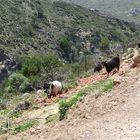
(119, 9)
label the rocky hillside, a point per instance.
(125, 9)
(41, 27)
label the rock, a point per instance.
(3, 138)
(7, 65)
(134, 12)
(117, 82)
(88, 117)
(126, 61)
(2, 106)
(121, 73)
(22, 106)
(26, 94)
(40, 91)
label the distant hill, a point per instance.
(117, 8)
(42, 27)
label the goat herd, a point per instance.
(56, 87)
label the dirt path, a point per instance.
(123, 123)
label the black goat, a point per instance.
(46, 87)
(112, 64)
(98, 67)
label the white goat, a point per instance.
(55, 88)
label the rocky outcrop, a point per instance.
(7, 65)
(134, 12)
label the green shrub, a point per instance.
(77, 69)
(17, 82)
(63, 107)
(4, 112)
(65, 46)
(36, 66)
(64, 43)
(50, 64)
(104, 42)
(31, 65)
(107, 86)
(104, 86)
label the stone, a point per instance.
(26, 94)
(117, 82)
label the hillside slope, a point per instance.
(98, 118)
(42, 27)
(124, 9)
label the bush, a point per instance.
(63, 107)
(36, 66)
(77, 69)
(104, 42)
(50, 64)
(65, 46)
(17, 82)
(31, 65)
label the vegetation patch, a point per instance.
(104, 87)
(70, 84)
(16, 114)
(26, 125)
(17, 82)
(52, 118)
(4, 112)
(98, 87)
